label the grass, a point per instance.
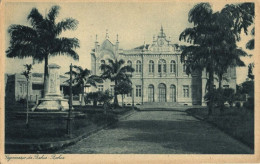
(48, 129)
(237, 122)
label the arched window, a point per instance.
(150, 93)
(138, 66)
(151, 66)
(129, 63)
(162, 66)
(162, 92)
(173, 93)
(173, 67)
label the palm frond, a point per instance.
(78, 68)
(200, 13)
(250, 44)
(21, 34)
(66, 24)
(21, 51)
(53, 13)
(188, 35)
(127, 69)
(64, 46)
(35, 17)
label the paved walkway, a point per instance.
(159, 132)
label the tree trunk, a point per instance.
(122, 100)
(27, 107)
(221, 107)
(220, 81)
(211, 83)
(115, 96)
(46, 74)
(82, 95)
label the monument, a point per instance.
(53, 100)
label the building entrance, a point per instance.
(162, 92)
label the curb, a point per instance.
(47, 147)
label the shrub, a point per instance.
(218, 97)
(238, 105)
(22, 101)
(92, 96)
(249, 104)
(229, 95)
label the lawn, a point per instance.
(52, 127)
(237, 122)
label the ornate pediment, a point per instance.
(161, 44)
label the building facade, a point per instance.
(16, 87)
(159, 76)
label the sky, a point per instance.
(135, 23)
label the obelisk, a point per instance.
(53, 100)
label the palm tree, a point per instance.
(27, 73)
(41, 40)
(214, 37)
(82, 77)
(116, 71)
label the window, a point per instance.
(138, 91)
(138, 66)
(185, 91)
(173, 93)
(100, 88)
(150, 93)
(129, 94)
(37, 86)
(225, 86)
(173, 67)
(151, 66)
(112, 90)
(162, 66)
(184, 67)
(21, 87)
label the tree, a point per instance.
(123, 87)
(92, 96)
(214, 37)
(41, 40)
(229, 95)
(26, 73)
(228, 59)
(81, 77)
(116, 71)
(105, 98)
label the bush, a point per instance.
(249, 104)
(99, 96)
(22, 101)
(229, 95)
(238, 105)
(92, 96)
(220, 96)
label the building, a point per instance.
(159, 75)
(16, 87)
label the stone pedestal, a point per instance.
(53, 99)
